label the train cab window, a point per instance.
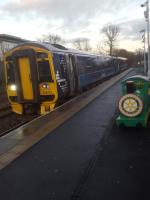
(44, 71)
(10, 73)
(41, 55)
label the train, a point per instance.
(134, 104)
(1, 78)
(40, 76)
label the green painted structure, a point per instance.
(134, 105)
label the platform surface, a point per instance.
(55, 168)
(122, 168)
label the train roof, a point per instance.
(122, 58)
(45, 45)
(59, 48)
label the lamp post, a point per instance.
(143, 40)
(146, 14)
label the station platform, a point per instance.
(86, 157)
(122, 168)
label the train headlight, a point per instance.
(130, 105)
(45, 85)
(13, 87)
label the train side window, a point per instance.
(44, 71)
(10, 73)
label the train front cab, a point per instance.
(30, 80)
(134, 105)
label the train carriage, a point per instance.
(39, 76)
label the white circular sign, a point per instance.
(130, 105)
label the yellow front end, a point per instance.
(49, 90)
(30, 80)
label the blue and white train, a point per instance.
(41, 75)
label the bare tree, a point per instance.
(86, 44)
(100, 48)
(51, 38)
(82, 44)
(132, 57)
(77, 43)
(111, 33)
(139, 55)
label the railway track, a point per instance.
(9, 121)
(5, 111)
(11, 129)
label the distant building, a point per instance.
(7, 42)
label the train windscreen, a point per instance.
(10, 73)
(44, 71)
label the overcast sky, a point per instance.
(30, 19)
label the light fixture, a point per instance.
(13, 87)
(146, 15)
(45, 85)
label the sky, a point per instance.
(71, 19)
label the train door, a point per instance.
(26, 76)
(73, 74)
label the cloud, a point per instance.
(130, 30)
(71, 11)
(73, 18)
